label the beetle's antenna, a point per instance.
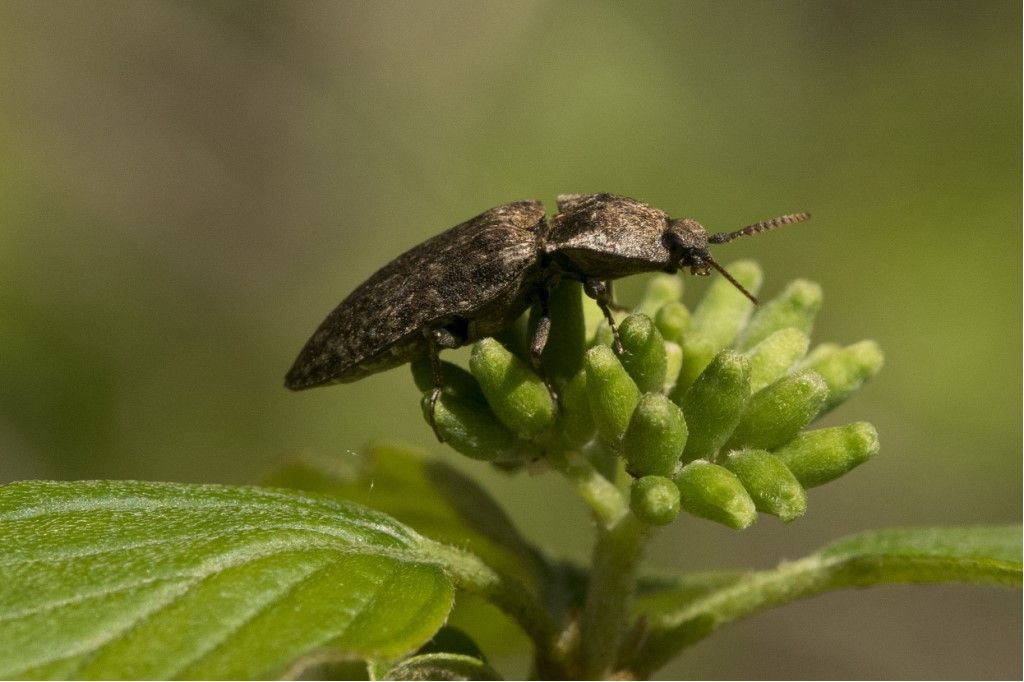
(763, 226)
(711, 261)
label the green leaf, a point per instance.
(428, 495)
(134, 580)
(984, 555)
(978, 555)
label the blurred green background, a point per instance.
(187, 188)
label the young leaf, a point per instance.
(978, 555)
(124, 579)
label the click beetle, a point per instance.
(478, 277)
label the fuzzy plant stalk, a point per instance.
(707, 412)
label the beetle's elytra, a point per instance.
(476, 278)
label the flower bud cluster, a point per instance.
(706, 411)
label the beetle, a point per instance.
(478, 277)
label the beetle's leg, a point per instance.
(539, 341)
(435, 393)
(617, 307)
(436, 340)
(541, 331)
(597, 290)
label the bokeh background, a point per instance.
(187, 188)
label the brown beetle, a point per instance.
(477, 278)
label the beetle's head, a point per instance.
(687, 242)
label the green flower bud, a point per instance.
(796, 306)
(773, 487)
(724, 309)
(775, 355)
(470, 428)
(698, 352)
(644, 352)
(516, 337)
(517, 396)
(594, 319)
(673, 320)
(661, 289)
(820, 351)
(846, 369)
(563, 355)
(654, 500)
(605, 459)
(576, 425)
(455, 380)
(714, 403)
(776, 413)
(819, 456)
(673, 365)
(655, 437)
(603, 336)
(713, 492)
(612, 393)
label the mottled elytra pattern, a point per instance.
(455, 278)
(476, 278)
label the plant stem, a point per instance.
(508, 594)
(601, 495)
(610, 593)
